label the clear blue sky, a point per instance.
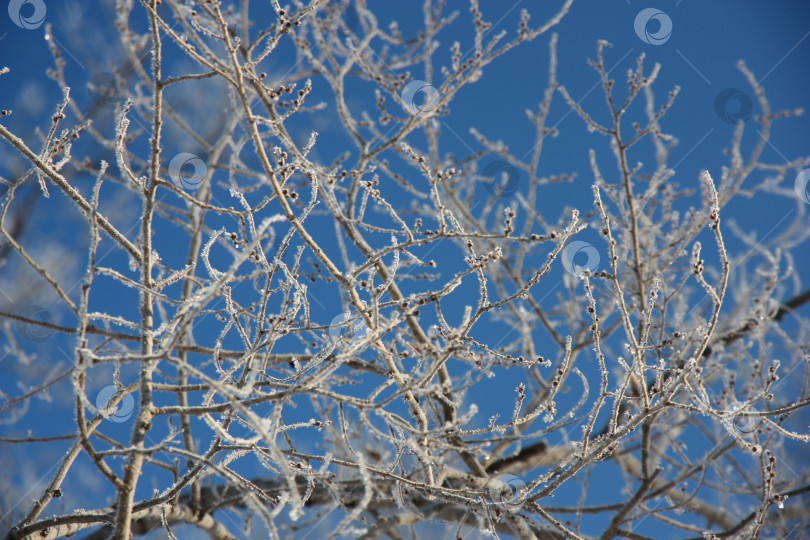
(699, 55)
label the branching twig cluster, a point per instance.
(295, 315)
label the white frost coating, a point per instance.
(696, 253)
(312, 137)
(159, 330)
(471, 412)
(174, 277)
(242, 200)
(708, 185)
(253, 322)
(85, 355)
(355, 532)
(275, 218)
(215, 274)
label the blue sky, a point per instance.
(699, 55)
